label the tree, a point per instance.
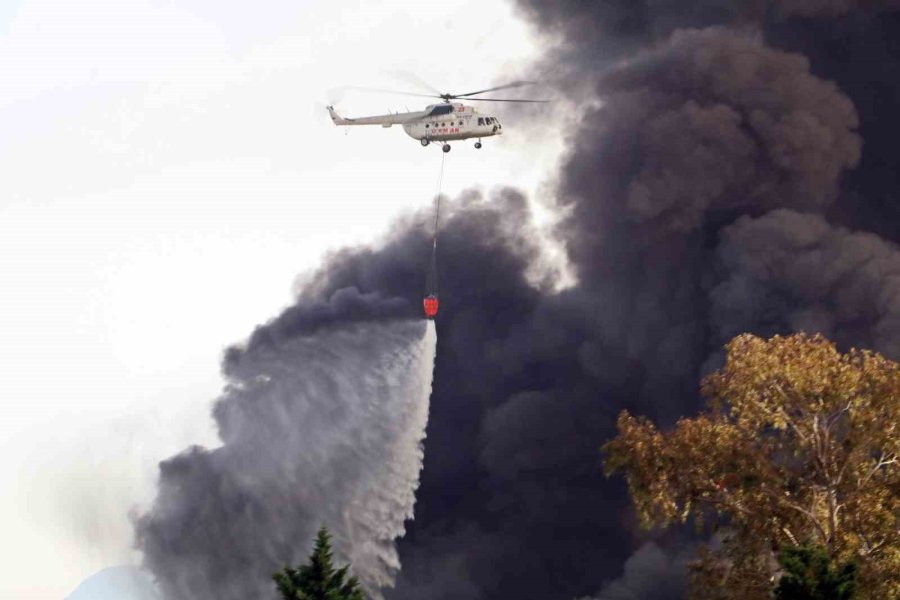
(799, 442)
(809, 575)
(318, 580)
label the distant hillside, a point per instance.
(117, 583)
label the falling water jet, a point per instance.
(322, 428)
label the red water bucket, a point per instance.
(431, 306)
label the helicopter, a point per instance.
(444, 122)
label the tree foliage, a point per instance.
(318, 580)
(809, 574)
(799, 442)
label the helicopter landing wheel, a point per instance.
(478, 145)
(446, 148)
(425, 141)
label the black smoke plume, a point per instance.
(736, 171)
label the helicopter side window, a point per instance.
(481, 120)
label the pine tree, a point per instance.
(808, 575)
(318, 580)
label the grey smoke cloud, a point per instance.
(711, 120)
(787, 271)
(323, 428)
(833, 8)
(651, 573)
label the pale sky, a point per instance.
(167, 171)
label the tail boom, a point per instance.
(384, 120)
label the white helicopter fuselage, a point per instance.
(437, 123)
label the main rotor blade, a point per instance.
(414, 79)
(504, 100)
(514, 84)
(384, 91)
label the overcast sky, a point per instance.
(167, 171)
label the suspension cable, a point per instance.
(432, 279)
(437, 210)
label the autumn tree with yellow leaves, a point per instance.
(799, 445)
